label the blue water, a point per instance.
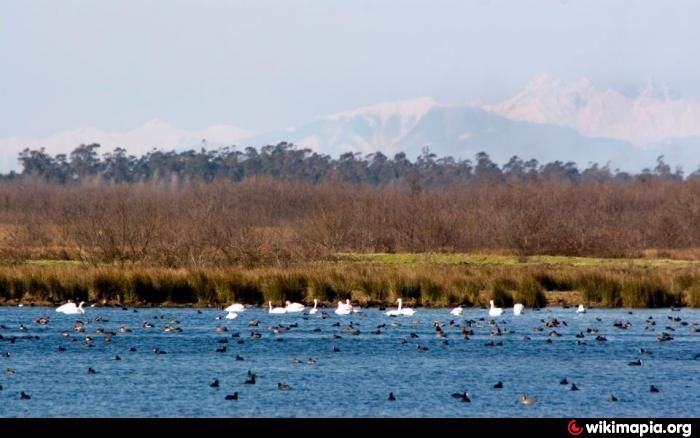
(354, 382)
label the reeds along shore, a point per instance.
(365, 284)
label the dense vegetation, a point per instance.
(286, 161)
(209, 227)
(265, 221)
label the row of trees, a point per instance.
(286, 161)
(268, 221)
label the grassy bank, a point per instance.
(377, 279)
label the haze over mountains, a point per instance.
(548, 120)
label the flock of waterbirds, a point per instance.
(465, 328)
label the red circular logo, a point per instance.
(574, 429)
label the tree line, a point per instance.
(285, 160)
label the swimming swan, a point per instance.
(343, 308)
(518, 309)
(581, 309)
(235, 308)
(276, 310)
(315, 309)
(401, 311)
(71, 309)
(294, 307)
(457, 311)
(495, 311)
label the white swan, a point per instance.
(581, 309)
(343, 309)
(518, 309)
(276, 310)
(235, 307)
(406, 311)
(315, 309)
(495, 311)
(71, 309)
(231, 315)
(457, 311)
(294, 307)
(401, 311)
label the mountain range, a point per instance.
(548, 120)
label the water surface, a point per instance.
(352, 382)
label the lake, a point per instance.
(353, 373)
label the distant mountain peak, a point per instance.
(410, 108)
(649, 117)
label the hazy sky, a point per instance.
(264, 64)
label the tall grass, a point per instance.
(500, 296)
(599, 288)
(427, 285)
(647, 292)
(285, 286)
(694, 295)
(530, 294)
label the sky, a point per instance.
(271, 64)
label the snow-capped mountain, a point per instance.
(548, 120)
(380, 127)
(649, 117)
(459, 131)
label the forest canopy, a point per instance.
(285, 160)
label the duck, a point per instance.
(233, 396)
(527, 401)
(462, 396)
(392, 397)
(495, 311)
